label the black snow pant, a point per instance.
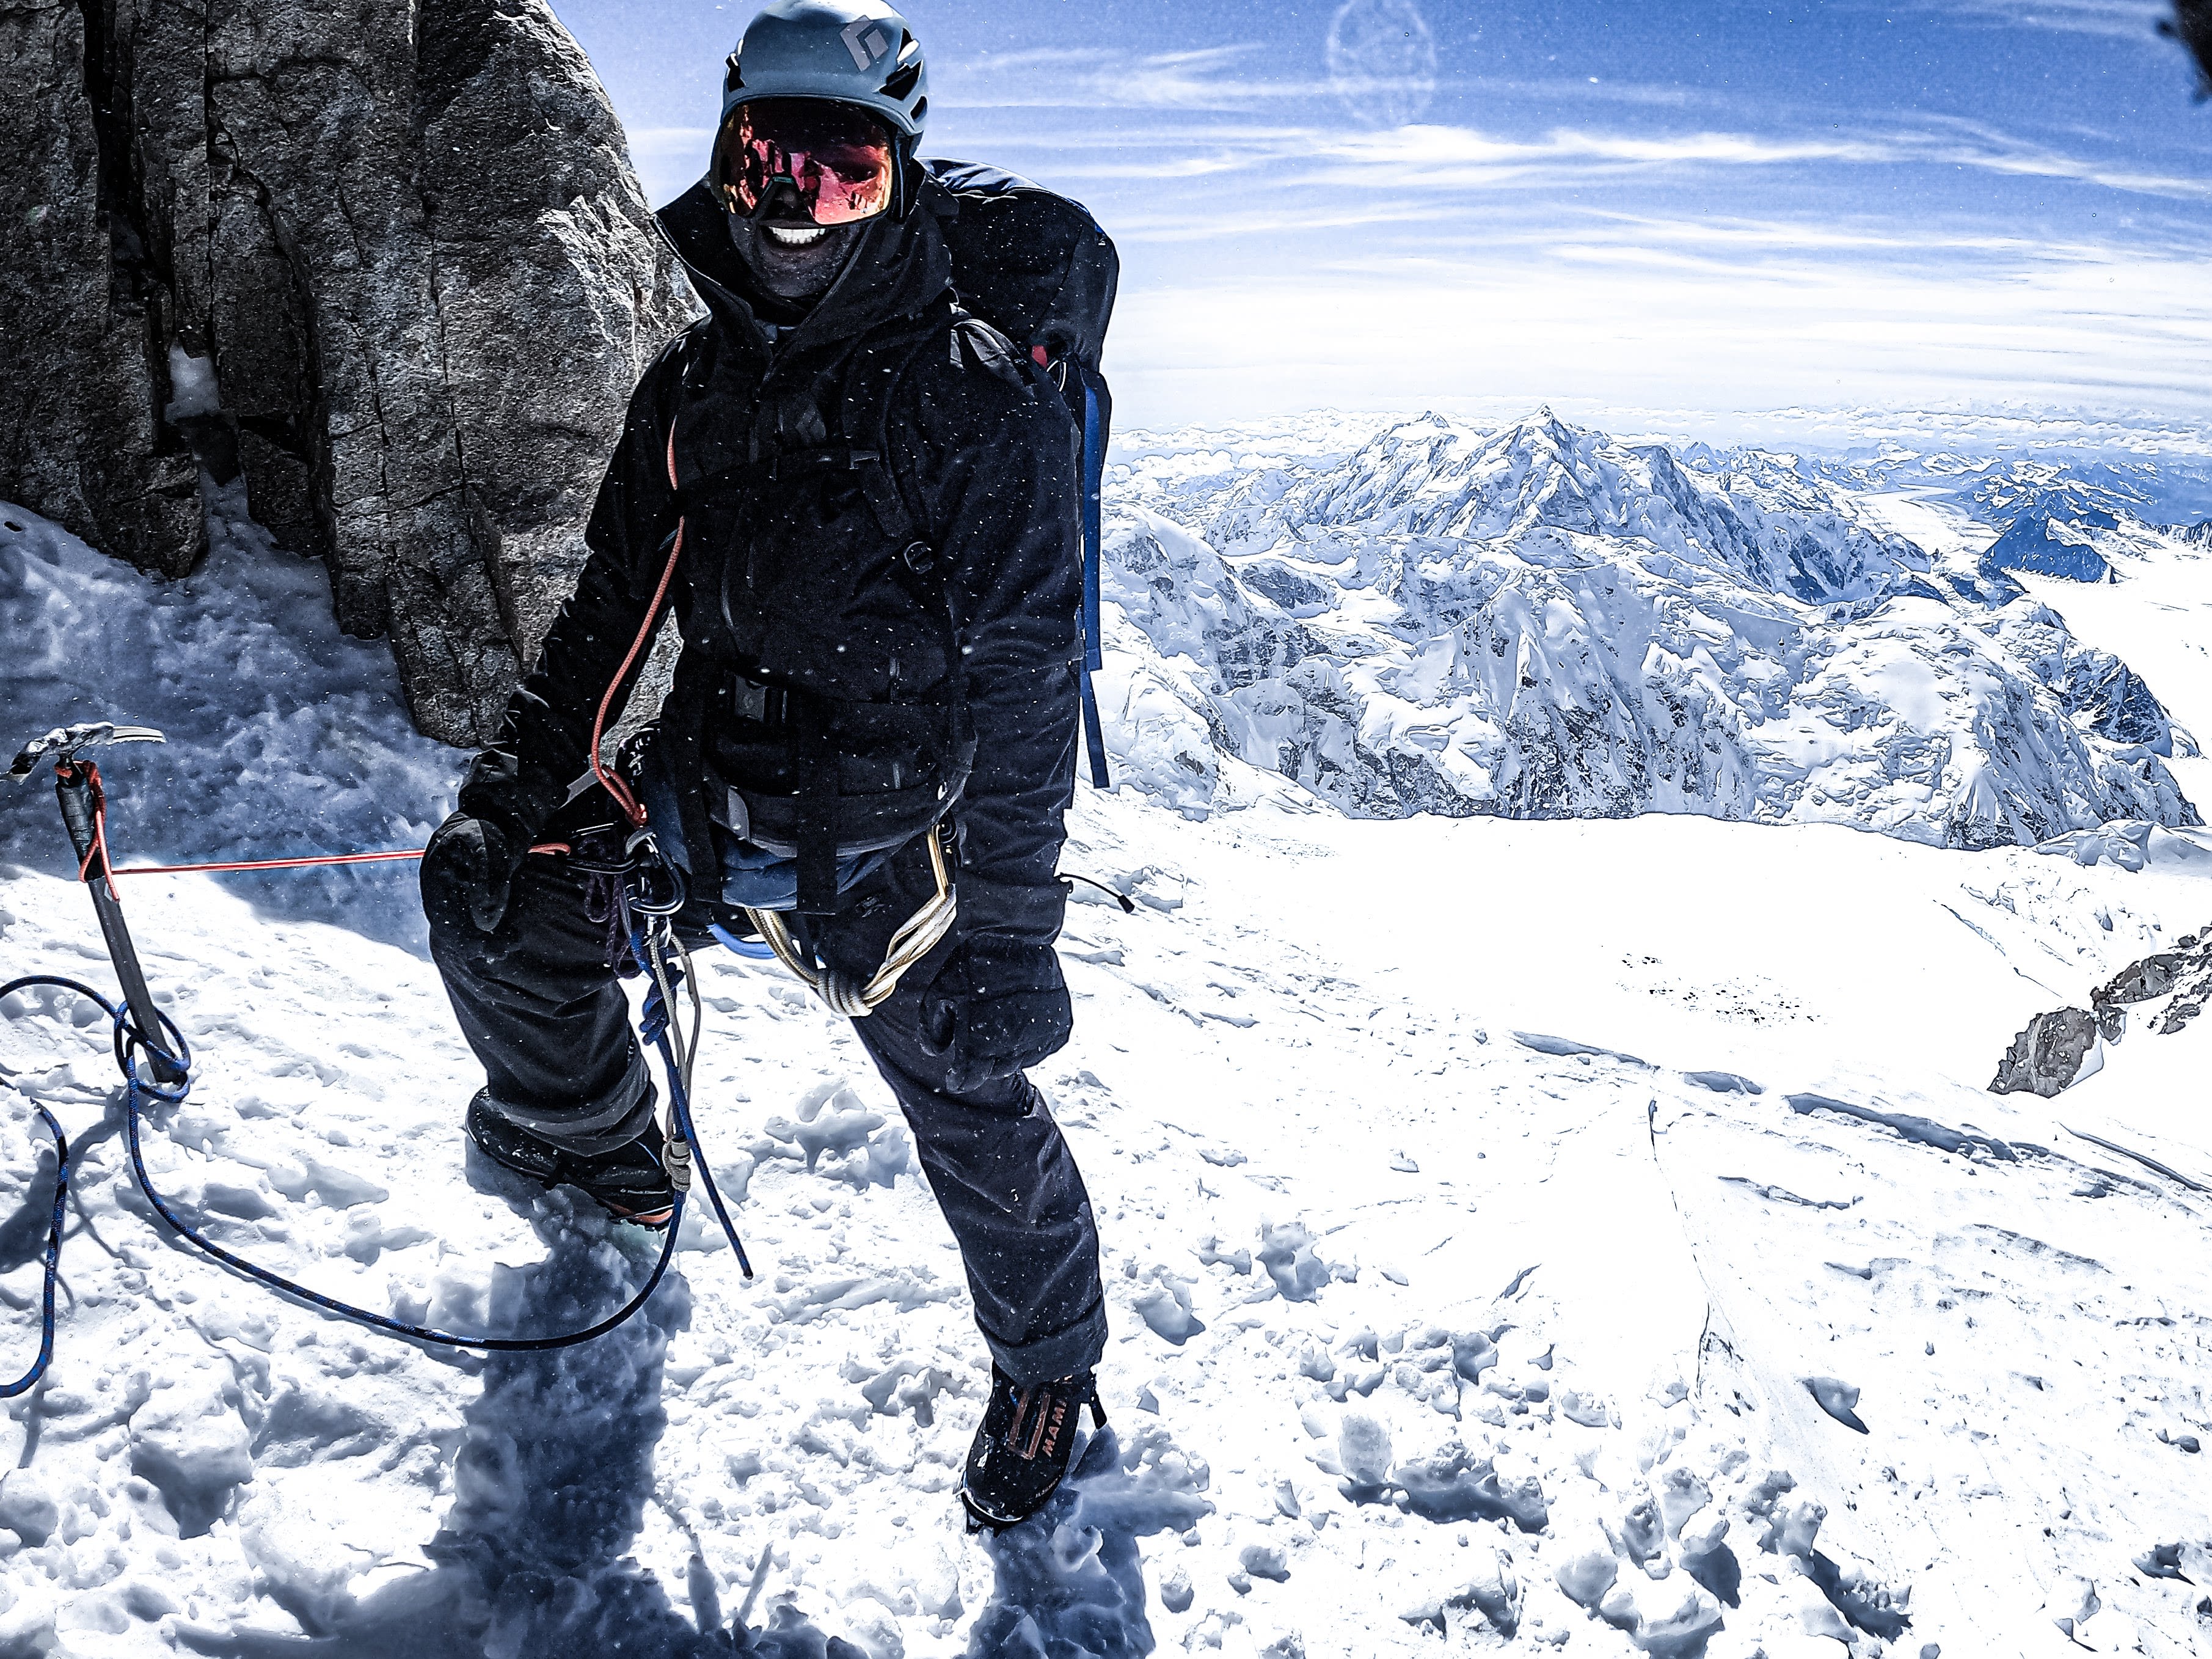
(544, 1014)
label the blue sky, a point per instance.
(1721, 217)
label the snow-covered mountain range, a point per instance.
(1540, 621)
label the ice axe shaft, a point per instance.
(77, 785)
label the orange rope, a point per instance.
(266, 863)
(553, 848)
(608, 780)
(98, 848)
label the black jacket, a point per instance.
(985, 464)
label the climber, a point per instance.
(863, 506)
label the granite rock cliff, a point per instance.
(386, 266)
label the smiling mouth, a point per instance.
(794, 235)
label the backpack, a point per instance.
(1038, 268)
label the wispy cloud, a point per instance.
(1210, 79)
(1433, 157)
(1782, 248)
(2112, 332)
(2126, 20)
(1241, 76)
(1309, 165)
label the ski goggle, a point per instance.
(842, 164)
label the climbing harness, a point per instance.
(156, 1062)
(920, 933)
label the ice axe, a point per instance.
(84, 810)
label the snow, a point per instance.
(286, 739)
(1505, 1221)
(2153, 615)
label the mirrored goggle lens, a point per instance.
(839, 160)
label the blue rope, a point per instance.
(653, 1022)
(678, 1098)
(1093, 662)
(29, 1380)
(129, 1042)
(756, 950)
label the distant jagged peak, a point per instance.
(2012, 489)
(1540, 425)
(1543, 425)
(1437, 477)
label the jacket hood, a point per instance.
(899, 268)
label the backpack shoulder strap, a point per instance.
(872, 373)
(871, 380)
(978, 345)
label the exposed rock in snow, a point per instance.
(2165, 991)
(1543, 622)
(2078, 533)
(299, 245)
(2050, 547)
(2048, 1056)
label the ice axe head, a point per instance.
(64, 743)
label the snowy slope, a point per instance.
(1324, 1157)
(1543, 622)
(2157, 612)
(1489, 1208)
(286, 738)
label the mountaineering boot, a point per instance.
(631, 1183)
(1020, 1454)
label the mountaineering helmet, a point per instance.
(831, 95)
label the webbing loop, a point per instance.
(920, 935)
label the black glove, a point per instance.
(469, 870)
(470, 866)
(998, 1007)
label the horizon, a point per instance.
(1860, 434)
(1744, 222)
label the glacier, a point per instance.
(1545, 621)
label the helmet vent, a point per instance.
(735, 80)
(901, 83)
(920, 110)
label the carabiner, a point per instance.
(656, 886)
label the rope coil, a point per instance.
(131, 1044)
(921, 934)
